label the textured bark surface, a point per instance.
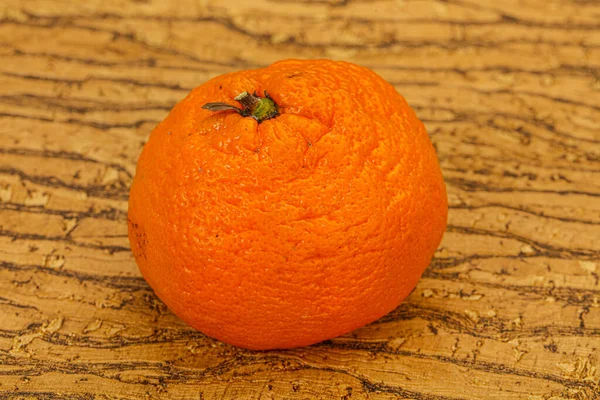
(510, 94)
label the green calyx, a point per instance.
(259, 108)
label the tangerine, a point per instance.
(282, 206)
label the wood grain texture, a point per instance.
(510, 94)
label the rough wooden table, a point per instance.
(510, 94)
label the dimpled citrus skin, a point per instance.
(295, 230)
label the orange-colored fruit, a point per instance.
(294, 229)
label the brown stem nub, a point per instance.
(259, 108)
(225, 107)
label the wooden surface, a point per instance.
(510, 94)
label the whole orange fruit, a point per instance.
(304, 211)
